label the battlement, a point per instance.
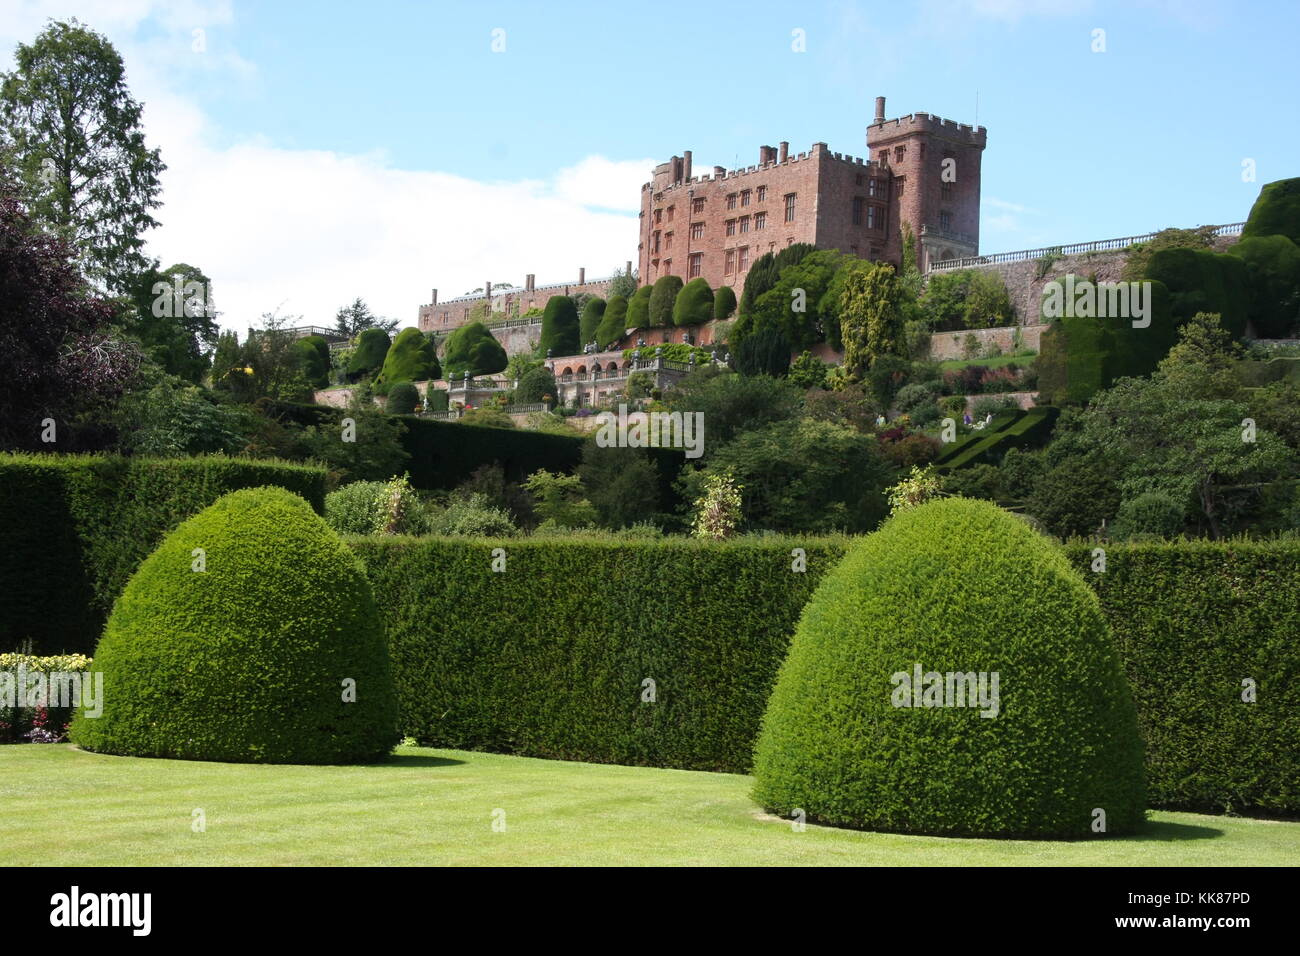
(818, 151)
(883, 130)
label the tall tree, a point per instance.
(74, 133)
(351, 320)
(172, 314)
(59, 356)
(870, 312)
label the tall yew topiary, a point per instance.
(638, 308)
(250, 635)
(955, 592)
(614, 322)
(663, 298)
(724, 302)
(593, 310)
(694, 304)
(560, 332)
(411, 358)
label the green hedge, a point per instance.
(492, 660)
(1193, 619)
(547, 658)
(77, 526)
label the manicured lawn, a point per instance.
(61, 806)
(996, 362)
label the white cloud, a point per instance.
(306, 231)
(605, 183)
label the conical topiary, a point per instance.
(957, 587)
(249, 635)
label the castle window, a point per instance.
(744, 257)
(871, 217)
(696, 264)
(659, 216)
(697, 206)
(668, 240)
(789, 207)
(898, 189)
(872, 187)
(899, 153)
(731, 200)
(656, 244)
(760, 220)
(945, 190)
(762, 193)
(668, 267)
(729, 263)
(670, 213)
(858, 179)
(744, 224)
(697, 230)
(858, 203)
(945, 221)
(884, 157)
(744, 197)
(731, 227)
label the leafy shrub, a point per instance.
(764, 352)
(802, 476)
(1150, 513)
(987, 405)
(907, 451)
(910, 397)
(976, 481)
(251, 659)
(663, 298)
(437, 399)
(808, 371)
(487, 416)
(622, 484)
(403, 398)
(1193, 620)
(537, 385)
(376, 507)
(473, 515)
(560, 500)
(1199, 280)
(838, 744)
(1075, 497)
(78, 526)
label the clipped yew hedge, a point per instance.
(1193, 620)
(549, 658)
(75, 527)
(869, 726)
(271, 651)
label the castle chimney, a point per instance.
(528, 282)
(785, 152)
(686, 165)
(880, 110)
(582, 270)
(719, 172)
(435, 297)
(487, 291)
(677, 170)
(629, 267)
(765, 155)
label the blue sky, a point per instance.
(320, 151)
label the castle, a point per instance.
(920, 170)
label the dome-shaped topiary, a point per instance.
(962, 588)
(264, 646)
